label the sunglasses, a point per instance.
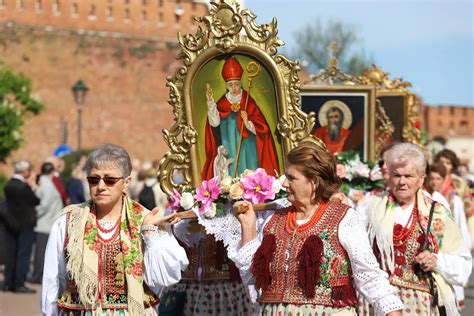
(109, 181)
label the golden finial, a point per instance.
(333, 48)
(332, 62)
(312, 140)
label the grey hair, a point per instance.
(109, 155)
(21, 165)
(406, 153)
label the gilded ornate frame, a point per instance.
(338, 91)
(396, 88)
(227, 29)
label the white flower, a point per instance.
(361, 170)
(211, 211)
(376, 173)
(277, 184)
(225, 184)
(186, 201)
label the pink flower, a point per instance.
(258, 186)
(207, 193)
(340, 170)
(174, 199)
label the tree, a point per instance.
(15, 103)
(313, 42)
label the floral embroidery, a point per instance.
(132, 255)
(90, 234)
(438, 231)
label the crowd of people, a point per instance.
(405, 250)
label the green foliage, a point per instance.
(3, 181)
(313, 41)
(15, 102)
(424, 136)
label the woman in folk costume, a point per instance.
(455, 185)
(308, 257)
(109, 255)
(436, 177)
(422, 267)
(233, 113)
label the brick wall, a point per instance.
(449, 120)
(127, 100)
(156, 18)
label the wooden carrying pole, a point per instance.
(235, 209)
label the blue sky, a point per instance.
(429, 43)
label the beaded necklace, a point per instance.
(292, 227)
(401, 235)
(104, 231)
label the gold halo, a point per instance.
(323, 120)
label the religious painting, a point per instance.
(395, 109)
(344, 116)
(235, 114)
(235, 101)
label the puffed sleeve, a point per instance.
(369, 279)
(54, 272)
(164, 259)
(243, 255)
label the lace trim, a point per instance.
(388, 304)
(153, 238)
(228, 229)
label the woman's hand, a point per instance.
(427, 261)
(157, 218)
(247, 219)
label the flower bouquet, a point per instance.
(357, 176)
(215, 198)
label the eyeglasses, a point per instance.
(109, 181)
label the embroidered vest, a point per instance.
(406, 274)
(112, 283)
(208, 261)
(334, 288)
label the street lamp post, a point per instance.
(79, 90)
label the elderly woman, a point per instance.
(309, 257)
(436, 177)
(109, 255)
(419, 265)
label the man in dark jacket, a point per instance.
(21, 202)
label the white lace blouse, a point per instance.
(369, 279)
(164, 259)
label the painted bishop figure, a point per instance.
(232, 113)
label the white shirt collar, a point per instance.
(234, 99)
(19, 177)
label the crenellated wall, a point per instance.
(151, 18)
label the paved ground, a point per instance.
(12, 304)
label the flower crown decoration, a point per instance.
(356, 174)
(213, 197)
